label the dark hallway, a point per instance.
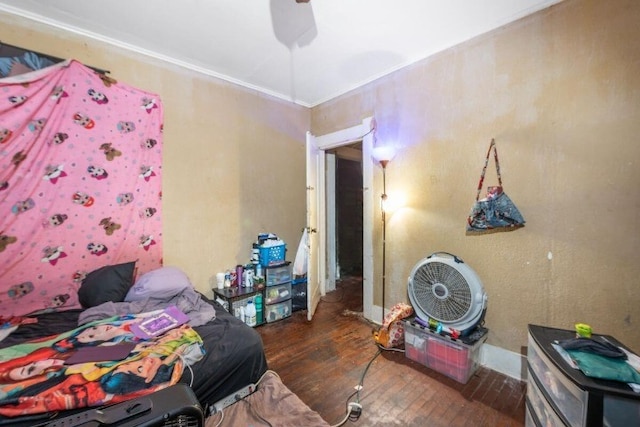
(349, 217)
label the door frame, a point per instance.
(362, 132)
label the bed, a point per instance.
(232, 356)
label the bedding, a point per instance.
(233, 355)
(35, 377)
(272, 404)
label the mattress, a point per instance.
(234, 356)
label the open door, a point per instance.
(317, 211)
(315, 193)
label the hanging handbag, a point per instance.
(496, 212)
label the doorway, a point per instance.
(348, 216)
(321, 198)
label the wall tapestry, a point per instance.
(80, 183)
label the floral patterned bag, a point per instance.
(496, 212)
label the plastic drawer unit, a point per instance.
(546, 415)
(277, 293)
(569, 399)
(279, 311)
(278, 274)
(560, 395)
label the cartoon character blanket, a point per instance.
(35, 377)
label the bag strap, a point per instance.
(493, 147)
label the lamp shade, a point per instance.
(384, 153)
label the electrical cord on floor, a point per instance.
(381, 347)
(354, 409)
(361, 384)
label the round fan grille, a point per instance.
(445, 289)
(441, 291)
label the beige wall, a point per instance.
(560, 92)
(233, 158)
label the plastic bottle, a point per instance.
(239, 271)
(227, 279)
(250, 314)
(258, 305)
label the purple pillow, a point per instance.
(163, 282)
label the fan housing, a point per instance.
(442, 288)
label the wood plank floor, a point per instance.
(324, 360)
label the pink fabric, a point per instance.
(80, 183)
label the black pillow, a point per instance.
(108, 283)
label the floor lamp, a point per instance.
(383, 155)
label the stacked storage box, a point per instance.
(452, 358)
(277, 293)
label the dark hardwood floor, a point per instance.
(323, 361)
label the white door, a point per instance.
(315, 190)
(316, 212)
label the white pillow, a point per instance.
(162, 283)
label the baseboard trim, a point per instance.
(506, 362)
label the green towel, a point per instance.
(606, 368)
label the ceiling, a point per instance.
(307, 53)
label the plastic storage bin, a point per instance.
(275, 312)
(277, 293)
(440, 353)
(277, 275)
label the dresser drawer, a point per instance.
(528, 417)
(570, 400)
(275, 312)
(544, 413)
(278, 275)
(277, 293)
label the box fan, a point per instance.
(447, 294)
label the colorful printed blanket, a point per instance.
(35, 377)
(80, 183)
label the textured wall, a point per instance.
(560, 92)
(233, 158)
